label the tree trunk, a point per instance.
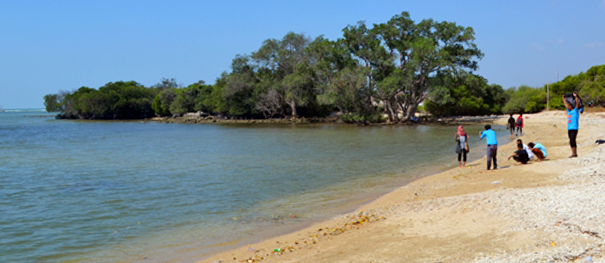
(412, 111)
(392, 115)
(293, 106)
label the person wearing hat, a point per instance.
(492, 146)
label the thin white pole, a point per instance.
(547, 96)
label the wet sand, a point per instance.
(463, 215)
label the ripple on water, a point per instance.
(72, 191)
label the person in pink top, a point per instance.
(462, 146)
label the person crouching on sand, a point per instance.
(530, 154)
(462, 146)
(520, 155)
(539, 151)
(492, 146)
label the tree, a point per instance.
(338, 79)
(464, 94)
(288, 64)
(592, 87)
(52, 103)
(348, 92)
(271, 104)
(161, 103)
(525, 99)
(593, 91)
(114, 100)
(403, 57)
(203, 99)
(240, 90)
(165, 84)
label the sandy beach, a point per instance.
(546, 211)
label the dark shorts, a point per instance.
(521, 160)
(573, 134)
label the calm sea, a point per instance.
(80, 191)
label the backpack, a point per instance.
(571, 100)
(519, 121)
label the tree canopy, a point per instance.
(590, 85)
(387, 68)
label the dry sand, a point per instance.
(540, 212)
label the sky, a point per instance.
(48, 46)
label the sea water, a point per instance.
(107, 191)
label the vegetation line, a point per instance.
(386, 72)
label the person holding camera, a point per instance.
(492, 146)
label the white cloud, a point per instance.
(559, 41)
(537, 47)
(594, 45)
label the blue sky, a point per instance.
(47, 46)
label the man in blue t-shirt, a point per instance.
(573, 119)
(492, 146)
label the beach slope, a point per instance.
(546, 211)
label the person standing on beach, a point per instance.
(492, 146)
(511, 124)
(573, 123)
(519, 125)
(462, 147)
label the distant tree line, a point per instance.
(386, 69)
(465, 94)
(590, 85)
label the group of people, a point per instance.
(515, 126)
(524, 153)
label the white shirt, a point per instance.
(530, 154)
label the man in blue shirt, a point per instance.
(492, 146)
(573, 119)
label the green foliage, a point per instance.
(525, 100)
(115, 100)
(52, 103)
(556, 103)
(355, 118)
(464, 94)
(590, 86)
(162, 101)
(203, 101)
(387, 68)
(404, 57)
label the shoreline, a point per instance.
(323, 120)
(386, 218)
(336, 208)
